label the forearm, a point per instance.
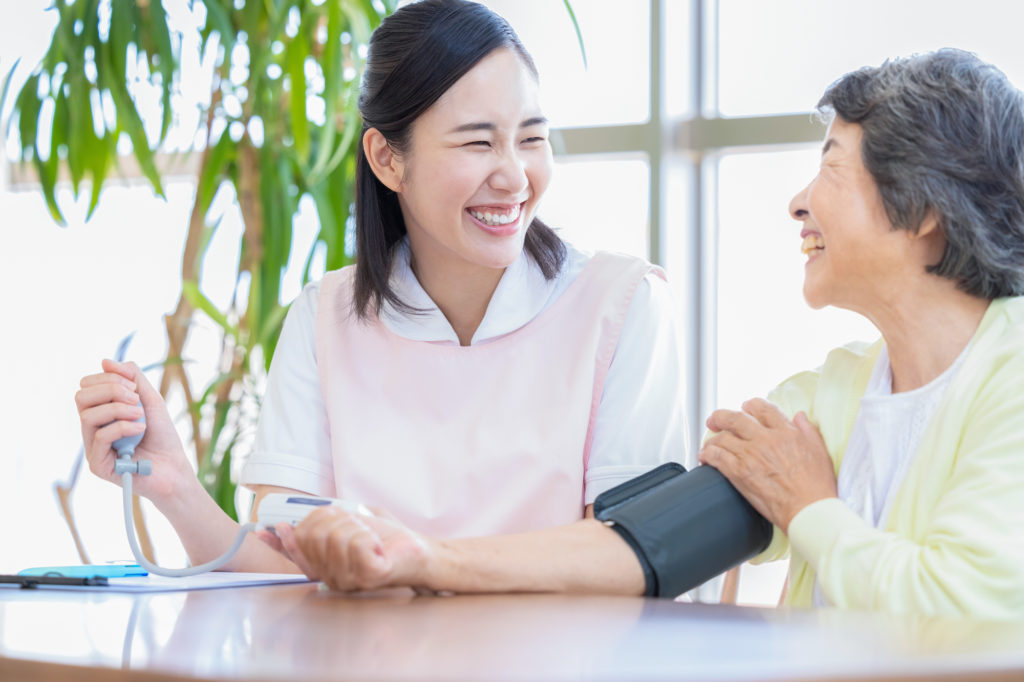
(206, 532)
(585, 556)
(861, 567)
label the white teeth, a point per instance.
(496, 218)
(812, 242)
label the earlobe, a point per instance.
(382, 159)
(932, 238)
(929, 225)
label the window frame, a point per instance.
(683, 149)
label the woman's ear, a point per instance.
(929, 225)
(382, 159)
(931, 237)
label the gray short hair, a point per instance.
(943, 135)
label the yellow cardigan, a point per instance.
(954, 540)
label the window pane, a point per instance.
(766, 332)
(73, 293)
(779, 56)
(619, 224)
(615, 86)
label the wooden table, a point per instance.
(299, 632)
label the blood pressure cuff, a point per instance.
(685, 527)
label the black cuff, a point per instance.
(650, 580)
(684, 526)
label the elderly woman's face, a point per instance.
(853, 253)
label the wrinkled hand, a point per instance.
(108, 407)
(780, 466)
(350, 552)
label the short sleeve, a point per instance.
(292, 447)
(641, 418)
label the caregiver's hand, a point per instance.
(351, 552)
(108, 407)
(780, 466)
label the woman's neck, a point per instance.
(462, 291)
(926, 328)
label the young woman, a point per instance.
(472, 374)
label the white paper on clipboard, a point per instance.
(205, 581)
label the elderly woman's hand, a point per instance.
(351, 552)
(780, 466)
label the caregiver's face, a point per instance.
(851, 247)
(477, 168)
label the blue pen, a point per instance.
(87, 571)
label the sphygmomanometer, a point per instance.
(274, 508)
(685, 527)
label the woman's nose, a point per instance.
(510, 175)
(798, 204)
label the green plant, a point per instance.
(280, 123)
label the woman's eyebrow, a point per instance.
(829, 143)
(486, 125)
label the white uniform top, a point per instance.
(640, 420)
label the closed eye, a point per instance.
(533, 140)
(477, 143)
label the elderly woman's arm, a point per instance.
(969, 559)
(967, 554)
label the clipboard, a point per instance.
(85, 571)
(30, 582)
(152, 583)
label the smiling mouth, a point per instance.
(496, 216)
(812, 243)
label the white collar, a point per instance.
(522, 293)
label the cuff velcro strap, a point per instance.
(685, 527)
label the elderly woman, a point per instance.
(895, 471)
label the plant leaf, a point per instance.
(213, 172)
(100, 164)
(120, 35)
(579, 34)
(224, 492)
(298, 49)
(5, 88)
(272, 327)
(328, 234)
(69, 117)
(352, 127)
(129, 118)
(218, 19)
(47, 171)
(190, 290)
(28, 105)
(331, 64)
(167, 63)
(359, 20)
